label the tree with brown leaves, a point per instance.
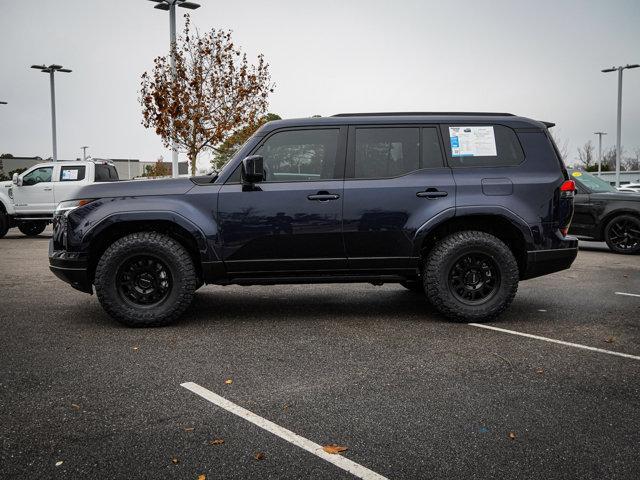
(215, 94)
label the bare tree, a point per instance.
(586, 156)
(632, 162)
(561, 143)
(609, 159)
(215, 93)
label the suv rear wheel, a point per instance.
(145, 279)
(622, 234)
(31, 229)
(471, 276)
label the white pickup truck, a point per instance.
(29, 200)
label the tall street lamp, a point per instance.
(619, 127)
(599, 149)
(51, 70)
(170, 5)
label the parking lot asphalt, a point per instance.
(371, 368)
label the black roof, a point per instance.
(471, 118)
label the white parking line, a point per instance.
(628, 294)
(311, 447)
(553, 340)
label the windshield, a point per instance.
(591, 182)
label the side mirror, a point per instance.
(253, 169)
(17, 181)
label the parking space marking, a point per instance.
(311, 447)
(553, 340)
(628, 294)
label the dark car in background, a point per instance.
(458, 206)
(604, 213)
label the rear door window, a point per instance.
(386, 152)
(73, 173)
(482, 146)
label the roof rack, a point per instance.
(406, 114)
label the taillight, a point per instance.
(568, 186)
(564, 231)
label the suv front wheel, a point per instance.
(145, 279)
(471, 276)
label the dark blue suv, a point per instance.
(457, 206)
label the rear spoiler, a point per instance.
(549, 124)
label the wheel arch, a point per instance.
(606, 219)
(512, 231)
(98, 239)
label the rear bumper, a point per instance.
(70, 267)
(543, 262)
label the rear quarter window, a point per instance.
(106, 173)
(481, 146)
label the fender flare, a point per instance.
(483, 210)
(6, 205)
(203, 242)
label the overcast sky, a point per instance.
(538, 59)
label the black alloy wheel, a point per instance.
(144, 280)
(622, 234)
(474, 278)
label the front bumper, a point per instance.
(70, 267)
(543, 262)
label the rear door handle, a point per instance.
(323, 196)
(432, 193)
(47, 189)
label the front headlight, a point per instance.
(64, 208)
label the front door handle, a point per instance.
(47, 189)
(432, 193)
(323, 196)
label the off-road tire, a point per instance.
(441, 260)
(415, 286)
(149, 244)
(32, 229)
(630, 221)
(4, 224)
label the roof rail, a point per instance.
(406, 114)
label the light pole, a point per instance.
(171, 5)
(84, 152)
(619, 126)
(599, 149)
(51, 70)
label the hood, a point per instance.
(619, 196)
(136, 188)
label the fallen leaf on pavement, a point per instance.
(216, 441)
(334, 448)
(285, 406)
(228, 381)
(175, 461)
(202, 476)
(58, 463)
(610, 340)
(135, 348)
(75, 406)
(512, 435)
(539, 370)
(188, 429)
(259, 456)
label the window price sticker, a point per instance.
(472, 142)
